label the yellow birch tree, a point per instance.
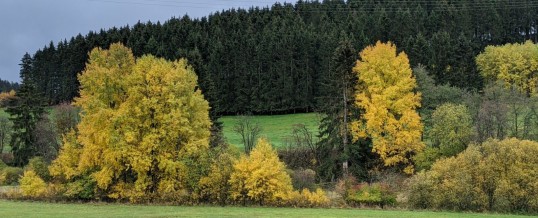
(144, 123)
(385, 91)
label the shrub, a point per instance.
(420, 193)
(10, 175)
(82, 188)
(425, 159)
(306, 198)
(297, 157)
(315, 199)
(40, 167)
(214, 187)
(495, 176)
(344, 184)
(303, 178)
(2, 165)
(7, 158)
(371, 194)
(32, 185)
(260, 178)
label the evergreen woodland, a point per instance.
(276, 59)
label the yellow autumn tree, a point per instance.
(260, 177)
(512, 64)
(385, 93)
(144, 127)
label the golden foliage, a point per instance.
(214, 187)
(32, 185)
(306, 198)
(65, 165)
(142, 121)
(495, 176)
(513, 64)
(261, 177)
(6, 96)
(315, 199)
(385, 91)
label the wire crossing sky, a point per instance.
(28, 25)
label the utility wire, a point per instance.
(410, 5)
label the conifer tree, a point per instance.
(25, 113)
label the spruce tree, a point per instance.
(25, 114)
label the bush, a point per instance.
(297, 157)
(421, 191)
(371, 194)
(495, 176)
(425, 159)
(306, 198)
(315, 199)
(40, 167)
(2, 165)
(7, 158)
(32, 185)
(10, 175)
(82, 188)
(260, 178)
(214, 187)
(303, 178)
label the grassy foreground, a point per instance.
(34, 209)
(274, 127)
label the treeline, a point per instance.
(276, 60)
(6, 86)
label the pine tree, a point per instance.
(25, 114)
(336, 105)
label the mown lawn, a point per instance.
(275, 127)
(35, 209)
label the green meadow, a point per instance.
(274, 127)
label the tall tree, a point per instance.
(25, 114)
(144, 127)
(385, 91)
(514, 64)
(337, 106)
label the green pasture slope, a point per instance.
(274, 127)
(14, 209)
(4, 113)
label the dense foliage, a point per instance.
(6, 86)
(143, 130)
(513, 64)
(272, 60)
(26, 112)
(452, 129)
(260, 178)
(385, 91)
(494, 176)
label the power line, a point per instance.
(409, 5)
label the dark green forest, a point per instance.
(6, 86)
(276, 59)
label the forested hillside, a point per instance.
(6, 86)
(277, 59)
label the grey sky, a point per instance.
(28, 25)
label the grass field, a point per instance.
(275, 127)
(3, 113)
(35, 209)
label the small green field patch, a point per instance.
(274, 127)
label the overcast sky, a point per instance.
(28, 25)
